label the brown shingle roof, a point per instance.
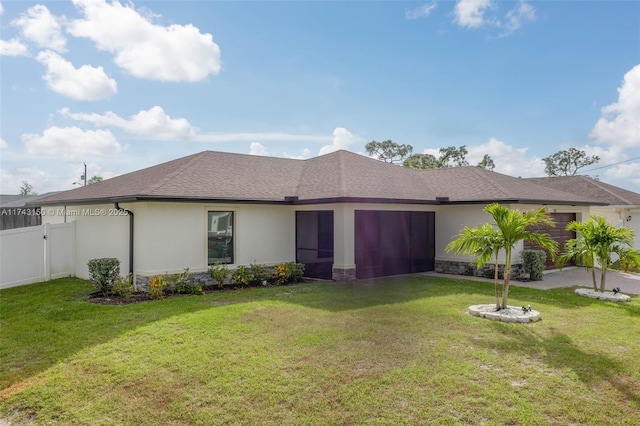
(591, 188)
(339, 176)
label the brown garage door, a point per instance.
(393, 242)
(558, 233)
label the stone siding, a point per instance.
(470, 270)
(348, 274)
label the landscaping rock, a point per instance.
(606, 295)
(510, 314)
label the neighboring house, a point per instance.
(15, 213)
(622, 206)
(343, 215)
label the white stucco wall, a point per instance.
(170, 237)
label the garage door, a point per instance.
(393, 242)
(558, 233)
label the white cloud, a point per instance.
(3, 144)
(71, 143)
(153, 122)
(514, 18)
(13, 47)
(474, 14)
(508, 160)
(1, 9)
(249, 137)
(342, 138)
(620, 121)
(625, 173)
(39, 26)
(257, 149)
(86, 83)
(420, 11)
(144, 49)
(470, 13)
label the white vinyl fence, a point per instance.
(36, 253)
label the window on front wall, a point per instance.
(220, 237)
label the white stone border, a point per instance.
(607, 295)
(510, 314)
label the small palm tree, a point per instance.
(598, 242)
(512, 226)
(485, 243)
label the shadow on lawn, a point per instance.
(559, 352)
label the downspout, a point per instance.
(130, 214)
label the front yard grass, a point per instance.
(391, 351)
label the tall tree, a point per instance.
(421, 161)
(27, 189)
(487, 163)
(453, 157)
(599, 243)
(94, 179)
(568, 162)
(388, 151)
(511, 227)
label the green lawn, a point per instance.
(390, 351)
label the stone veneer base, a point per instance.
(347, 274)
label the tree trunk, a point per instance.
(507, 276)
(495, 282)
(593, 275)
(602, 276)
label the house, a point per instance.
(19, 211)
(622, 206)
(343, 215)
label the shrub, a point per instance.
(281, 273)
(469, 270)
(284, 273)
(297, 271)
(157, 285)
(260, 274)
(219, 273)
(103, 272)
(533, 262)
(188, 287)
(123, 286)
(242, 276)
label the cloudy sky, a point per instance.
(122, 86)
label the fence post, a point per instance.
(47, 251)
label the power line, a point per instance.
(614, 164)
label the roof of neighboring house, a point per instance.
(588, 187)
(22, 200)
(9, 198)
(336, 177)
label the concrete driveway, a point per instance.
(572, 277)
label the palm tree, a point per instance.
(598, 242)
(512, 226)
(485, 243)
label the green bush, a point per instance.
(297, 271)
(260, 274)
(219, 273)
(157, 285)
(289, 272)
(242, 276)
(123, 286)
(533, 262)
(103, 272)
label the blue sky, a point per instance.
(123, 86)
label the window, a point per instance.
(220, 237)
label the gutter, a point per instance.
(130, 214)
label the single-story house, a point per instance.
(343, 215)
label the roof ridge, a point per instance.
(601, 186)
(169, 176)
